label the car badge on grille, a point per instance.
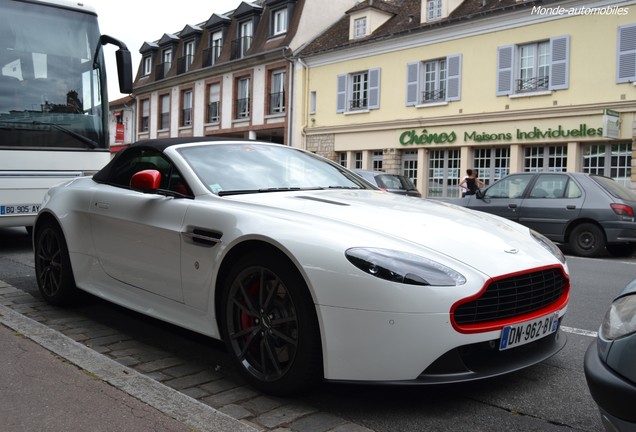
(512, 251)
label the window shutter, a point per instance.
(412, 83)
(374, 88)
(454, 78)
(505, 69)
(626, 56)
(559, 62)
(341, 95)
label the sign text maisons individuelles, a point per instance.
(413, 137)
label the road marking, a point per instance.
(581, 332)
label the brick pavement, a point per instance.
(188, 363)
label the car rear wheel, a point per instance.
(269, 325)
(587, 240)
(53, 266)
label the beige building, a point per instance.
(231, 74)
(429, 88)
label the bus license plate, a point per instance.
(19, 209)
(529, 331)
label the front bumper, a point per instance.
(615, 396)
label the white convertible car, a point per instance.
(306, 271)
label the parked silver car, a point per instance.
(587, 212)
(393, 183)
(610, 364)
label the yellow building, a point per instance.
(431, 88)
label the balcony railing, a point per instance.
(239, 47)
(162, 70)
(186, 117)
(183, 63)
(433, 96)
(242, 108)
(277, 103)
(211, 55)
(358, 104)
(533, 84)
(214, 109)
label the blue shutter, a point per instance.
(559, 62)
(412, 83)
(505, 69)
(454, 77)
(626, 55)
(374, 88)
(341, 95)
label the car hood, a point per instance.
(488, 243)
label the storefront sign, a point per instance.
(611, 124)
(413, 137)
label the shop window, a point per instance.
(443, 173)
(626, 56)
(533, 67)
(610, 160)
(545, 158)
(358, 91)
(409, 165)
(431, 81)
(377, 161)
(342, 159)
(491, 163)
(358, 160)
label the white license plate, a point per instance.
(19, 209)
(529, 331)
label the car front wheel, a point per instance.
(269, 325)
(53, 266)
(587, 240)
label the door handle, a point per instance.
(512, 206)
(570, 207)
(102, 205)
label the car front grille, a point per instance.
(513, 296)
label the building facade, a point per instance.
(231, 75)
(430, 88)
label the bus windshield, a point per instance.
(50, 92)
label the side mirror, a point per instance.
(124, 70)
(146, 180)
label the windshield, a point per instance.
(252, 168)
(50, 95)
(615, 189)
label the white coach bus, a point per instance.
(53, 100)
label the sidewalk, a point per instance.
(51, 383)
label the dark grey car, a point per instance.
(585, 211)
(393, 183)
(610, 364)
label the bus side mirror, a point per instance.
(124, 70)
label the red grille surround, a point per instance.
(512, 298)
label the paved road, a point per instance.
(551, 396)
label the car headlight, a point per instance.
(620, 319)
(401, 267)
(548, 245)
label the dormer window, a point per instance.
(360, 27)
(147, 67)
(433, 9)
(279, 21)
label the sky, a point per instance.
(137, 21)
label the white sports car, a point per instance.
(306, 271)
